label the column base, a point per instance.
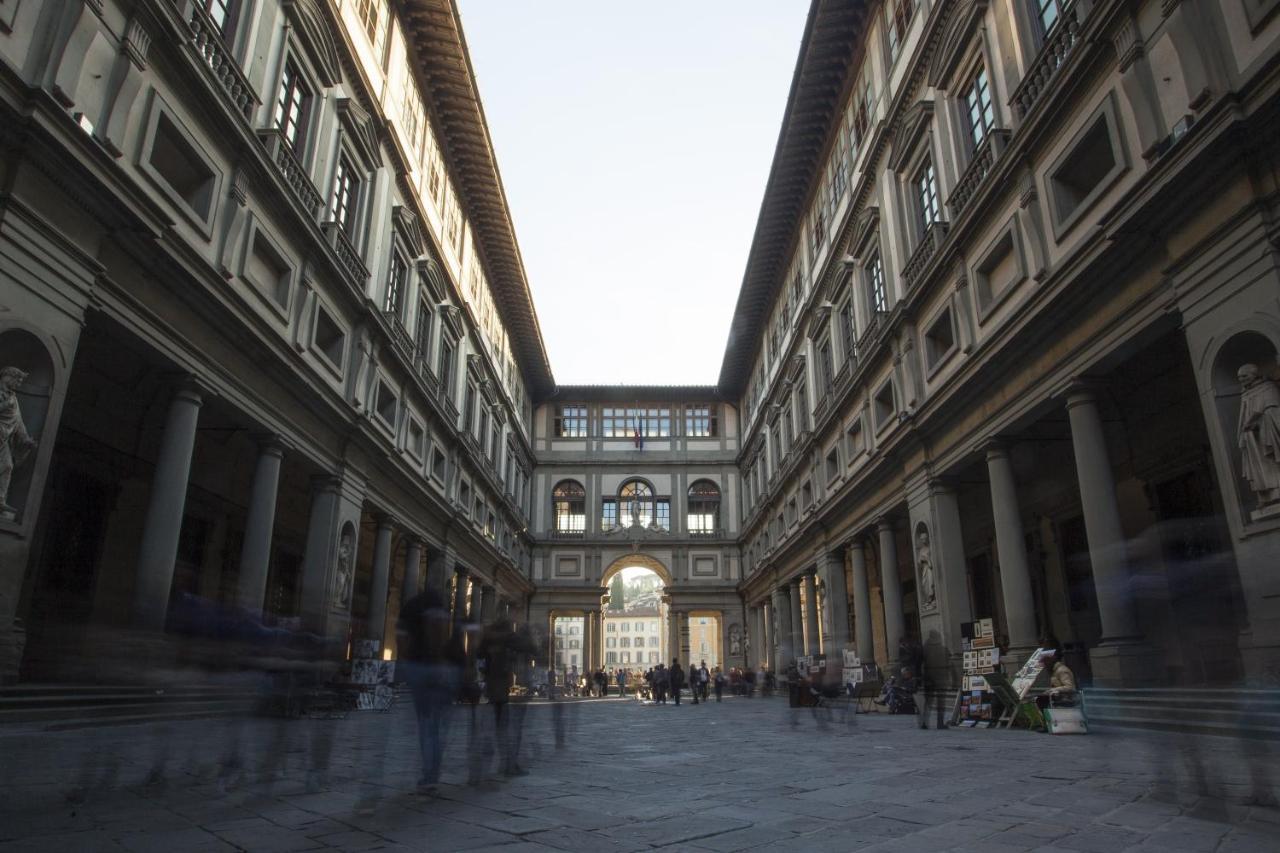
(1260, 656)
(1123, 662)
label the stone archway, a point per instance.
(639, 561)
(635, 634)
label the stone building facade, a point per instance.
(1006, 345)
(1010, 260)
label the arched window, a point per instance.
(635, 504)
(569, 502)
(704, 508)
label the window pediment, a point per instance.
(430, 273)
(406, 226)
(865, 230)
(953, 47)
(911, 129)
(360, 130)
(317, 38)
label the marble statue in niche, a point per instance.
(924, 563)
(342, 582)
(15, 443)
(1259, 436)
(735, 639)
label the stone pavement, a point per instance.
(725, 777)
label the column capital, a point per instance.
(187, 387)
(461, 571)
(797, 581)
(326, 482)
(995, 447)
(854, 543)
(886, 523)
(385, 520)
(269, 443)
(1080, 391)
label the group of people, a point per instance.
(586, 684)
(663, 681)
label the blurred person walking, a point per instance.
(432, 657)
(677, 680)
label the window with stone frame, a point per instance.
(979, 111)
(1048, 13)
(225, 15)
(704, 508)
(608, 513)
(926, 186)
(422, 331)
(826, 366)
(699, 420)
(344, 196)
(445, 362)
(845, 323)
(397, 281)
(662, 514)
(293, 107)
(898, 15)
(860, 124)
(374, 19)
(802, 405)
(878, 297)
(469, 409)
(413, 117)
(571, 421)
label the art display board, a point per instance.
(1026, 677)
(371, 676)
(980, 658)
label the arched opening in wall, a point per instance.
(568, 654)
(635, 621)
(706, 639)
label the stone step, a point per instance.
(55, 706)
(1233, 712)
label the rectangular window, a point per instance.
(608, 514)
(826, 365)
(898, 15)
(342, 201)
(225, 15)
(293, 103)
(444, 367)
(412, 116)
(422, 330)
(978, 108)
(469, 409)
(879, 298)
(699, 420)
(1049, 12)
(373, 15)
(649, 422)
(662, 517)
(927, 195)
(571, 422)
(847, 337)
(397, 272)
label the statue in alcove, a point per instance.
(15, 443)
(342, 583)
(924, 562)
(1259, 433)
(735, 639)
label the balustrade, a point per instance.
(1058, 45)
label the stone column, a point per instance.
(477, 602)
(782, 609)
(593, 640)
(861, 602)
(831, 569)
(797, 618)
(1118, 659)
(488, 604)
(318, 594)
(438, 571)
(813, 636)
(460, 597)
(1101, 516)
(412, 570)
(1015, 574)
(255, 550)
(891, 587)
(756, 644)
(381, 581)
(163, 525)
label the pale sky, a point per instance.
(634, 142)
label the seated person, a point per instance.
(1062, 684)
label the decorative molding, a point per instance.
(137, 41)
(1127, 40)
(316, 36)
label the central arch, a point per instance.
(638, 561)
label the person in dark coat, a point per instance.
(677, 679)
(505, 650)
(432, 658)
